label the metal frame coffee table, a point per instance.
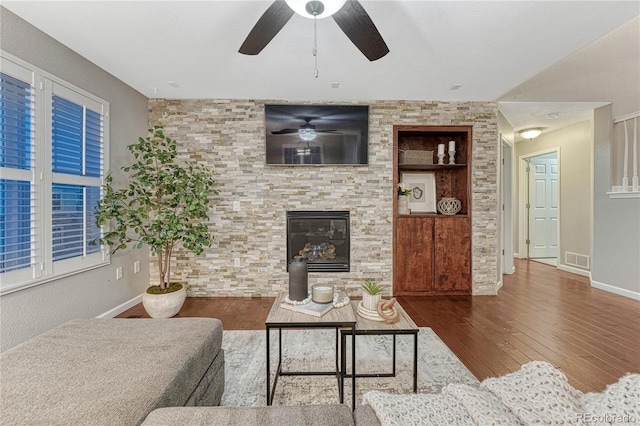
(338, 319)
(404, 326)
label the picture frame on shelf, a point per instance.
(423, 191)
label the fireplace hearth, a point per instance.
(321, 238)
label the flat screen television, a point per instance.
(317, 135)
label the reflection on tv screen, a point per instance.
(299, 135)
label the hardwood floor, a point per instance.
(541, 313)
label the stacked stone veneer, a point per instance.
(228, 136)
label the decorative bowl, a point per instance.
(449, 206)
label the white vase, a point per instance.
(164, 305)
(403, 204)
(370, 301)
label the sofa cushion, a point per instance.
(317, 415)
(210, 389)
(106, 371)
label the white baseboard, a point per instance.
(121, 308)
(498, 286)
(617, 290)
(573, 270)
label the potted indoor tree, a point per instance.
(165, 203)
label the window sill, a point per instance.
(12, 288)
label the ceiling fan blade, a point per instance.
(269, 24)
(358, 26)
(284, 131)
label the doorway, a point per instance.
(540, 204)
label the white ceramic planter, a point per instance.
(370, 301)
(164, 305)
(403, 204)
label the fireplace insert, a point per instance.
(321, 238)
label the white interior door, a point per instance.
(543, 206)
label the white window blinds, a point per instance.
(53, 140)
(16, 162)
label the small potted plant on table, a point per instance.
(371, 294)
(164, 204)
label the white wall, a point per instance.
(616, 234)
(29, 312)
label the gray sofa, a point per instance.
(111, 371)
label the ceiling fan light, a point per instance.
(330, 7)
(530, 133)
(307, 134)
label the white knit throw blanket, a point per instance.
(536, 394)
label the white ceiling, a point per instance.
(189, 49)
(547, 116)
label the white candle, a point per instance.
(452, 145)
(441, 148)
(322, 293)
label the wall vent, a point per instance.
(577, 260)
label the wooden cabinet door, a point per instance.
(452, 254)
(413, 268)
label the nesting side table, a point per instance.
(338, 318)
(404, 326)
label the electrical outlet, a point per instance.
(236, 206)
(136, 266)
(236, 262)
(119, 273)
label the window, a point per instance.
(52, 154)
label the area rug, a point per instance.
(314, 350)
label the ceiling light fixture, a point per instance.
(316, 9)
(530, 133)
(307, 132)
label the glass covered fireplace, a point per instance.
(321, 238)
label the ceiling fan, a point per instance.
(306, 132)
(349, 15)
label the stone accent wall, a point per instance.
(228, 136)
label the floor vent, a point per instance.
(577, 260)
